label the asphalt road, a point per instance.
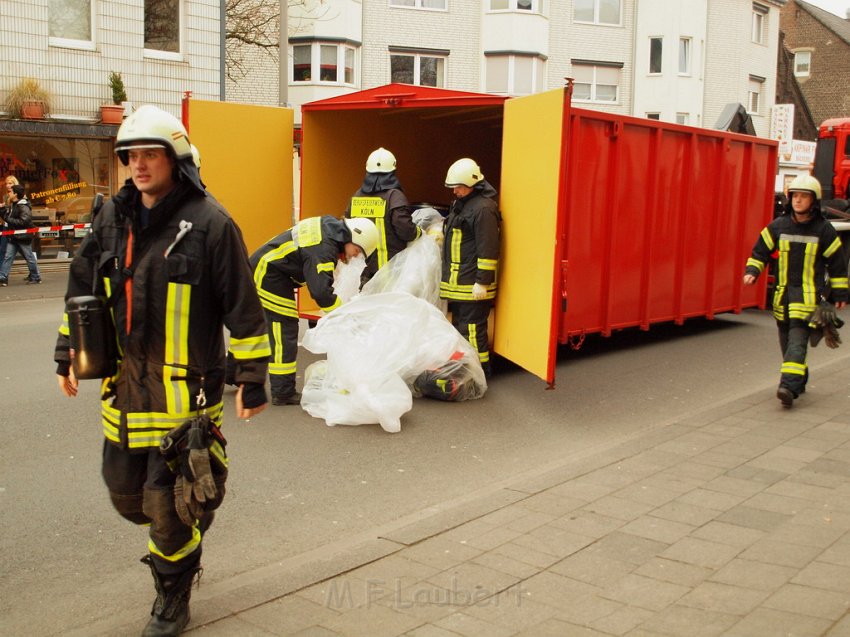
(297, 485)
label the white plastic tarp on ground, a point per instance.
(381, 341)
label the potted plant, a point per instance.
(27, 100)
(114, 113)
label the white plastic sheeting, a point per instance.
(381, 341)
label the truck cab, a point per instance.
(832, 161)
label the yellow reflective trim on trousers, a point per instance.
(484, 357)
(284, 301)
(798, 369)
(278, 309)
(277, 354)
(187, 549)
(381, 224)
(768, 240)
(473, 336)
(809, 289)
(250, 347)
(176, 347)
(327, 266)
(835, 245)
(282, 369)
(759, 265)
(487, 264)
(272, 255)
(63, 327)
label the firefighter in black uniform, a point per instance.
(381, 199)
(806, 247)
(305, 254)
(175, 271)
(471, 254)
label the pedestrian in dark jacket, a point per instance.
(19, 217)
(806, 248)
(173, 267)
(306, 254)
(381, 199)
(471, 254)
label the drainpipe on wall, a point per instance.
(283, 54)
(222, 50)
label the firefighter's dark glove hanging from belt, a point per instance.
(186, 451)
(825, 324)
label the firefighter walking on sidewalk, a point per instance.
(174, 271)
(807, 249)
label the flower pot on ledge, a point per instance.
(32, 110)
(111, 113)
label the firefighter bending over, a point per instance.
(305, 254)
(471, 254)
(381, 199)
(807, 248)
(174, 271)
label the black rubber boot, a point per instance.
(170, 612)
(286, 399)
(786, 396)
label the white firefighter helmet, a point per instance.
(363, 234)
(152, 127)
(805, 183)
(380, 161)
(464, 172)
(196, 156)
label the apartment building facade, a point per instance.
(675, 60)
(162, 48)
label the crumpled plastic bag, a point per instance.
(415, 270)
(346, 283)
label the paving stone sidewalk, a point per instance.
(734, 522)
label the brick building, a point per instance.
(820, 45)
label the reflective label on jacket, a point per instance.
(370, 207)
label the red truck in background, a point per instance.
(832, 170)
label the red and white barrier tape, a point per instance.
(70, 226)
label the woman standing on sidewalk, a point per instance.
(19, 217)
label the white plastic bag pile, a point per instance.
(385, 341)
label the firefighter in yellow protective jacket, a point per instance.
(306, 254)
(806, 248)
(175, 271)
(471, 254)
(382, 199)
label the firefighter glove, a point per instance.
(479, 292)
(825, 324)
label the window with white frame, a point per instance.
(418, 68)
(323, 62)
(532, 6)
(70, 22)
(420, 4)
(759, 22)
(754, 94)
(596, 82)
(802, 63)
(515, 74)
(655, 55)
(162, 25)
(597, 11)
(682, 118)
(684, 56)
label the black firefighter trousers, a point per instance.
(794, 343)
(470, 319)
(141, 487)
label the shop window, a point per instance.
(684, 56)
(61, 176)
(596, 83)
(597, 11)
(323, 62)
(515, 74)
(802, 63)
(420, 4)
(655, 51)
(70, 23)
(423, 70)
(162, 27)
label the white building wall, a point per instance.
(670, 93)
(732, 57)
(78, 78)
